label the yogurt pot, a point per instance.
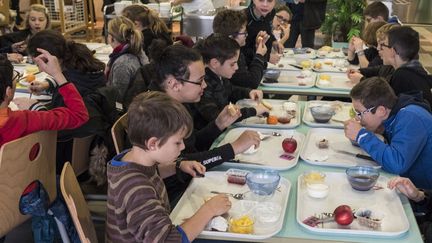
(317, 190)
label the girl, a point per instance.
(281, 23)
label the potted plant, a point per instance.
(344, 19)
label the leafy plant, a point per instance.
(344, 19)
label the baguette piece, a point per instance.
(267, 105)
(232, 109)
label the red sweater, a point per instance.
(16, 124)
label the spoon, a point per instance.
(238, 196)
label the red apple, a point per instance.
(343, 215)
(289, 145)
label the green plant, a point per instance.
(344, 19)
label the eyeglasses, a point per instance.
(241, 33)
(282, 19)
(381, 45)
(199, 82)
(16, 75)
(361, 113)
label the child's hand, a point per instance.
(352, 128)
(218, 205)
(37, 87)
(261, 38)
(405, 186)
(24, 103)
(193, 168)
(15, 57)
(274, 58)
(256, 95)
(50, 64)
(261, 48)
(19, 46)
(225, 118)
(358, 44)
(247, 139)
(354, 76)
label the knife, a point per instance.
(361, 156)
(296, 66)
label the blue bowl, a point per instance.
(272, 75)
(263, 182)
(362, 178)
(322, 114)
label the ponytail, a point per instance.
(123, 30)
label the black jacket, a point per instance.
(7, 40)
(219, 93)
(311, 13)
(384, 71)
(249, 76)
(371, 55)
(149, 36)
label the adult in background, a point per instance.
(308, 15)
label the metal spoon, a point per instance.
(238, 196)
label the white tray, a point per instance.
(328, 157)
(338, 81)
(278, 110)
(283, 64)
(341, 115)
(385, 201)
(288, 79)
(269, 151)
(299, 53)
(199, 190)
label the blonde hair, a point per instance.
(123, 30)
(41, 9)
(147, 17)
(382, 32)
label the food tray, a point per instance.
(336, 65)
(329, 157)
(338, 82)
(384, 201)
(306, 53)
(288, 79)
(342, 114)
(278, 110)
(269, 152)
(283, 64)
(199, 190)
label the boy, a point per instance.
(138, 207)
(16, 124)
(399, 48)
(231, 23)
(378, 11)
(220, 54)
(407, 125)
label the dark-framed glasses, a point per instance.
(381, 45)
(241, 33)
(199, 82)
(282, 19)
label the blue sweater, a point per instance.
(409, 149)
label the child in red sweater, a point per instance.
(16, 124)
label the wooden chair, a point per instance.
(77, 205)
(119, 133)
(23, 161)
(81, 154)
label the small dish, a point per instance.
(317, 190)
(362, 178)
(313, 177)
(242, 225)
(267, 212)
(263, 182)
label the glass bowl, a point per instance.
(271, 75)
(362, 178)
(322, 114)
(243, 224)
(263, 182)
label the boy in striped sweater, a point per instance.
(138, 206)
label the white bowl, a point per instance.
(318, 190)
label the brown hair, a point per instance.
(37, 8)
(155, 114)
(373, 92)
(147, 17)
(369, 34)
(382, 32)
(123, 30)
(229, 22)
(283, 7)
(376, 9)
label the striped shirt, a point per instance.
(138, 206)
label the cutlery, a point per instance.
(361, 156)
(238, 196)
(296, 66)
(274, 134)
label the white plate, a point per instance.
(338, 81)
(39, 77)
(331, 65)
(337, 120)
(283, 64)
(278, 110)
(329, 157)
(199, 190)
(385, 201)
(34, 96)
(289, 79)
(269, 151)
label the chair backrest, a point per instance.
(119, 133)
(23, 161)
(77, 205)
(81, 154)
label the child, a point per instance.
(16, 124)
(138, 207)
(281, 23)
(220, 55)
(407, 124)
(231, 23)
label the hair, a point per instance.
(373, 92)
(147, 17)
(369, 34)
(73, 55)
(220, 47)
(6, 72)
(155, 114)
(37, 8)
(382, 32)
(283, 7)
(229, 22)
(175, 61)
(123, 30)
(405, 41)
(376, 9)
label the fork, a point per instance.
(238, 196)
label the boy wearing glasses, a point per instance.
(406, 122)
(16, 124)
(231, 23)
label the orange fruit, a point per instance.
(30, 78)
(272, 120)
